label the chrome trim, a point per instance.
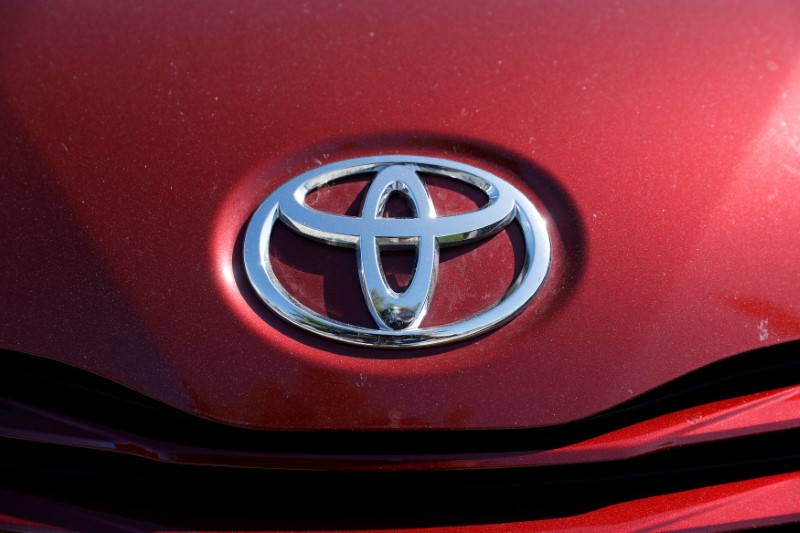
(397, 315)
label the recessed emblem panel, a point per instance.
(399, 317)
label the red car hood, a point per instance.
(660, 140)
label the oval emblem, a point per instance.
(398, 317)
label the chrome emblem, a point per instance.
(397, 316)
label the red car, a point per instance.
(364, 264)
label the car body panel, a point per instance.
(660, 140)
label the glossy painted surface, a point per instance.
(661, 141)
(749, 504)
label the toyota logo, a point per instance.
(398, 316)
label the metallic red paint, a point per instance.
(660, 139)
(762, 502)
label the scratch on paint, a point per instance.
(763, 333)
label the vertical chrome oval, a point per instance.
(392, 310)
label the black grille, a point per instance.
(63, 390)
(187, 496)
(213, 497)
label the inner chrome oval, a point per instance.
(392, 310)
